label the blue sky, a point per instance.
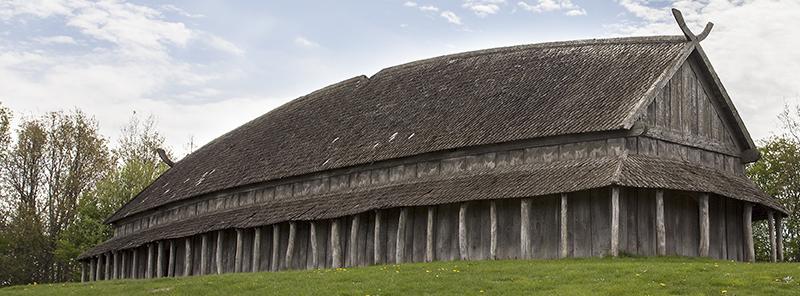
(204, 67)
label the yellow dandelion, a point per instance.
(662, 284)
(724, 291)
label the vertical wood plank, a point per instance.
(83, 271)
(149, 272)
(379, 238)
(313, 241)
(107, 266)
(352, 254)
(256, 257)
(429, 235)
(204, 254)
(524, 229)
(614, 221)
(237, 259)
(747, 222)
(661, 229)
(773, 251)
(93, 269)
(462, 230)
(564, 231)
(123, 264)
(218, 257)
(171, 262)
(276, 236)
(400, 247)
(705, 237)
(187, 257)
(493, 230)
(134, 264)
(290, 244)
(160, 260)
(115, 261)
(779, 237)
(336, 244)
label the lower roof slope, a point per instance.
(453, 101)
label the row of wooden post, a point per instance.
(118, 259)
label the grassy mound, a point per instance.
(610, 276)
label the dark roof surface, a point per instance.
(537, 179)
(453, 101)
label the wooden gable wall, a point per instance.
(684, 112)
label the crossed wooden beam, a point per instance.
(691, 36)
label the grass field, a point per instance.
(606, 276)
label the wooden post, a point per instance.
(336, 244)
(204, 253)
(779, 237)
(773, 251)
(353, 245)
(256, 250)
(171, 262)
(747, 222)
(187, 257)
(115, 266)
(134, 263)
(83, 271)
(314, 248)
(705, 239)
(429, 235)
(462, 231)
(661, 230)
(493, 230)
(98, 268)
(276, 236)
(123, 264)
(92, 269)
(218, 257)
(400, 249)
(525, 228)
(563, 247)
(160, 260)
(290, 244)
(149, 272)
(237, 259)
(377, 242)
(615, 221)
(107, 274)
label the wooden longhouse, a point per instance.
(564, 149)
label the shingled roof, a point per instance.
(474, 98)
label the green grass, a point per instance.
(606, 276)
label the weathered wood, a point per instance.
(400, 247)
(160, 260)
(204, 254)
(134, 264)
(256, 257)
(218, 257)
(493, 230)
(661, 230)
(353, 244)
(115, 268)
(377, 244)
(705, 236)
(290, 244)
(429, 255)
(237, 258)
(462, 231)
(614, 221)
(563, 230)
(525, 225)
(123, 265)
(107, 266)
(779, 237)
(93, 269)
(83, 271)
(276, 246)
(747, 222)
(149, 272)
(171, 262)
(314, 248)
(336, 244)
(187, 257)
(773, 251)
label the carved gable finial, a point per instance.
(689, 35)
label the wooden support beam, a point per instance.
(377, 243)
(661, 230)
(93, 269)
(779, 237)
(276, 245)
(171, 262)
(462, 231)
(705, 228)
(314, 247)
(352, 254)
(290, 244)
(218, 257)
(336, 244)
(204, 253)
(256, 257)
(187, 257)
(160, 260)
(493, 230)
(773, 251)
(525, 228)
(107, 274)
(83, 271)
(115, 266)
(99, 268)
(134, 263)
(149, 272)
(400, 249)
(615, 221)
(123, 264)
(429, 234)
(563, 241)
(747, 221)
(237, 259)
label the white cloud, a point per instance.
(179, 11)
(451, 17)
(483, 8)
(60, 39)
(305, 42)
(221, 44)
(429, 8)
(757, 60)
(410, 4)
(541, 6)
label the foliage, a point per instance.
(604, 276)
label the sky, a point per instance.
(202, 68)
